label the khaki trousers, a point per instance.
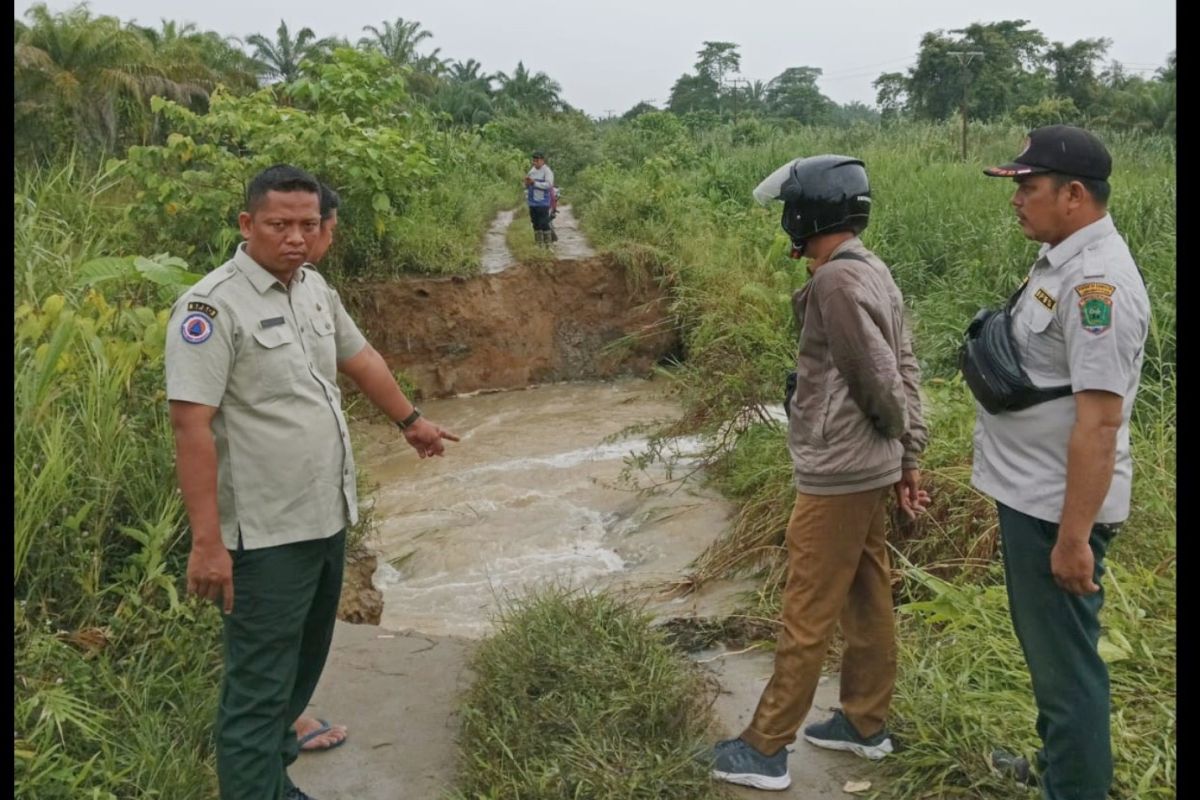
(837, 569)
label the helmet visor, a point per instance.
(772, 186)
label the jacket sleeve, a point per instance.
(545, 185)
(917, 435)
(865, 360)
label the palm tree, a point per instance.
(226, 56)
(170, 32)
(529, 91)
(470, 73)
(431, 64)
(92, 75)
(464, 103)
(398, 42)
(282, 57)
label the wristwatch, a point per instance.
(407, 422)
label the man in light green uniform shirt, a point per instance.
(266, 470)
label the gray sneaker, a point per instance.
(735, 761)
(836, 733)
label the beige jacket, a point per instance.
(856, 412)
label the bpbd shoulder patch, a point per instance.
(196, 328)
(204, 308)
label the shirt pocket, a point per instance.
(1043, 349)
(324, 347)
(274, 360)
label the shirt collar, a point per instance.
(1074, 244)
(259, 278)
(853, 243)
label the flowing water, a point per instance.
(533, 495)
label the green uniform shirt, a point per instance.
(1082, 320)
(266, 355)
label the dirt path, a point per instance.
(571, 244)
(496, 257)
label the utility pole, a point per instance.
(731, 86)
(964, 58)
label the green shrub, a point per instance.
(575, 696)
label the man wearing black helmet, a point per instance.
(1057, 460)
(854, 433)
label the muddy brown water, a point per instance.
(533, 495)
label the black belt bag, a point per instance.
(990, 365)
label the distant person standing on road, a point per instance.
(539, 188)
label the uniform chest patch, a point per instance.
(196, 305)
(1045, 299)
(196, 328)
(1095, 306)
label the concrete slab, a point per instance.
(397, 693)
(817, 774)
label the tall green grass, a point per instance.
(576, 696)
(114, 673)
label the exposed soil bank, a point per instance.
(569, 320)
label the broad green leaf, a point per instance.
(103, 269)
(164, 275)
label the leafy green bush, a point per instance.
(413, 198)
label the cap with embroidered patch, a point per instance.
(1064, 149)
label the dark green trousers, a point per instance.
(1059, 632)
(285, 602)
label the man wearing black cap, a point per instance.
(539, 183)
(1060, 470)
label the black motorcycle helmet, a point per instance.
(820, 194)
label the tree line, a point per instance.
(85, 79)
(82, 79)
(1004, 70)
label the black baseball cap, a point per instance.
(538, 154)
(1064, 149)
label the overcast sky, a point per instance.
(610, 54)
